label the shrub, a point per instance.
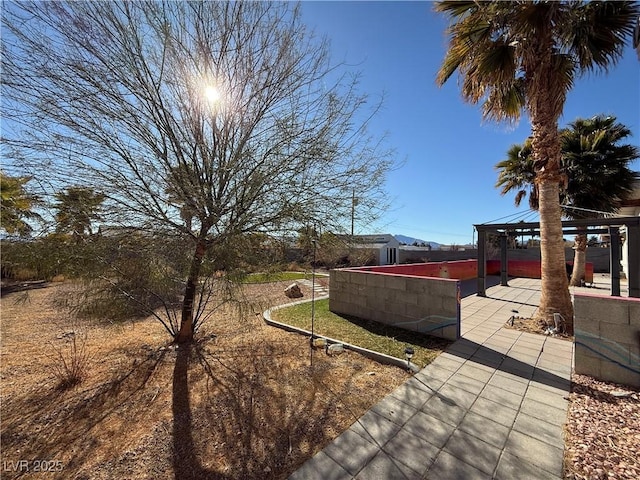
(70, 363)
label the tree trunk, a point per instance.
(579, 260)
(186, 323)
(555, 296)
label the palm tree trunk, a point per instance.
(186, 323)
(579, 260)
(555, 296)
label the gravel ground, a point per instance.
(602, 438)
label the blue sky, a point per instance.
(446, 183)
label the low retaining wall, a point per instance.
(459, 269)
(416, 303)
(598, 257)
(377, 356)
(468, 269)
(607, 338)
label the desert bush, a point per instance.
(19, 261)
(47, 257)
(131, 276)
(295, 267)
(70, 362)
(362, 257)
(124, 274)
(23, 274)
(140, 274)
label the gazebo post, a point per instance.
(633, 259)
(504, 269)
(614, 236)
(482, 263)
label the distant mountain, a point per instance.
(410, 241)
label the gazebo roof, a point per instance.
(592, 225)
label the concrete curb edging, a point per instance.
(377, 356)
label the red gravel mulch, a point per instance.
(602, 434)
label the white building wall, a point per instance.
(629, 211)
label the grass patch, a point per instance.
(274, 277)
(363, 333)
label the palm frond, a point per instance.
(516, 173)
(595, 32)
(596, 165)
(519, 196)
(505, 102)
(455, 8)
(546, 44)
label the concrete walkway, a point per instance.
(319, 289)
(492, 406)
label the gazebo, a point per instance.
(610, 226)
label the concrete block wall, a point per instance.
(607, 338)
(460, 269)
(599, 257)
(421, 255)
(425, 305)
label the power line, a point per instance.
(604, 214)
(514, 216)
(532, 214)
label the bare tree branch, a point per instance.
(212, 119)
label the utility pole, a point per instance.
(354, 202)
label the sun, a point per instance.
(212, 94)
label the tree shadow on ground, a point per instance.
(257, 409)
(51, 423)
(400, 334)
(483, 355)
(186, 465)
(229, 410)
(13, 287)
(624, 393)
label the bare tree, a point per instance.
(211, 119)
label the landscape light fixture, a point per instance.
(408, 352)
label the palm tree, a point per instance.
(597, 171)
(16, 205)
(77, 208)
(526, 55)
(599, 177)
(516, 172)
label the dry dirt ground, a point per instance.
(534, 325)
(242, 403)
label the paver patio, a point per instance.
(492, 406)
